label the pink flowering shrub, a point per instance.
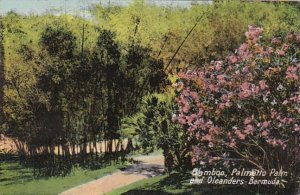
(245, 110)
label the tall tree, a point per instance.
(108, 56)
(57, 53)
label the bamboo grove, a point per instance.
(76, 97)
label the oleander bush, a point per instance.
(244, 111)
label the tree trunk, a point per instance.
(58, 150)
(91, 149)
(169, 159)
(118, 146)
(73, 149)
(129, 145)
(95, 147)
(110, 146)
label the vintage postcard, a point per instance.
(149, 97)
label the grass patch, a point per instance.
(16, 179)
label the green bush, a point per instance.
(153, 128)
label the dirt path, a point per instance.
(147, 166)
(7, 144)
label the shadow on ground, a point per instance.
(43, 166)
(177, 183)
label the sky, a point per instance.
(76, 7)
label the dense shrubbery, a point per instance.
(154, 130)
(244, 110)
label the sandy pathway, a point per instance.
(148, 166)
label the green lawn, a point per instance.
(16, 179)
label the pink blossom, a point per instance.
(270, 50)
(244, 52)
(280, 142)
(272, 142)
(247, 121)
(295, 98)
(186, 92)
(207, 138)
(221, 106)
(264, 134)
(232, 59)
(274, 114)
(249, 129)
(216, 158)
(213, 130)
(292, 69)
(182, 120)
(232, 144)
(191, 118)
(253, 33)
(213, 88)
(218, 65)
(174, 118)
(262, 84)
(281, 53)
(240, 135)
(285, 47)
(244, 47)
(266, 124)
(245, 86)
(275, 41)
(245, 94)
(291, 76)
(296, 127)
(221, 78)
(247, 90)
(195, 96)
(200, 112)
(224, 98)
(255, 90)
(186, 108)
(290, 120)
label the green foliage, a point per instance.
(58, 41)
(154, 129)
(220, 30)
